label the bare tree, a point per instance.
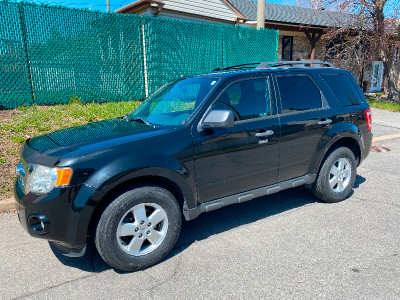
(335, 5)
(314, 4)
(365, 35)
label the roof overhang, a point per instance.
(142, 5)
(139, 6)
(241, 16)
(303, 28)
(293, 26)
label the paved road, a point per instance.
(284, 246)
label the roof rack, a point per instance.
(277, 64)
(239, 67)
(298, 64)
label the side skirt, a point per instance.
(193, 213)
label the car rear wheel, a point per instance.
(337, 176)
(139, 228)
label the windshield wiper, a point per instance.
(139, 120)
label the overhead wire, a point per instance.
(120, 4)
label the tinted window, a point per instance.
(343, 88)
(298, 93)
(247, 99)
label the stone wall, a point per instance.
(301, 46)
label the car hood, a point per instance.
(91, 137)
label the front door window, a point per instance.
(248, 99)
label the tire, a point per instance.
(125, 236)
(339, 167)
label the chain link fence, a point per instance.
(50, 54)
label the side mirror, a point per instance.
(218, 119)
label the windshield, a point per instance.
(175, 102)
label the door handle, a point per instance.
(264, 134)
(325, 122)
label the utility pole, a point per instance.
(108, 5)
(260, 14)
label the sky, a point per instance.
(116, 4)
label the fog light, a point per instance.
(39, 224)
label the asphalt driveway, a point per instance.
(286, 245)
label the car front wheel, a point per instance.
(138, 228)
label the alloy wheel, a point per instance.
(142, 229)
(340, 175)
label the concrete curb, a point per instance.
(8, 205)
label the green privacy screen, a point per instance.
(49, 54)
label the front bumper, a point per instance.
(59, 249)
(67, 212)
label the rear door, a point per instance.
(244, 157)
(305, 118)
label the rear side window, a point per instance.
(343, 88)
(298, 92)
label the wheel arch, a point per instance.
(178, 191)
(341, 141)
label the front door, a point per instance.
(376, 77)
(244, 157)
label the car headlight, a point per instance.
(43, 179)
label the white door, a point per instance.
(376, 77)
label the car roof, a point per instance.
(226, 74)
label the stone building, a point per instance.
(300, 30)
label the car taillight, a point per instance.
(368, 117)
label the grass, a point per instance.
(19, 124)
(393, 106)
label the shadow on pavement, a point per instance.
(213, 223)
(90, 262)
(359, 180)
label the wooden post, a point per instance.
(312, 56)
(313, 39)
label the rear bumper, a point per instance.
(64, 214)
(366, 143)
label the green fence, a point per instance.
(49, 54)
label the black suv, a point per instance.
(196, 145)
